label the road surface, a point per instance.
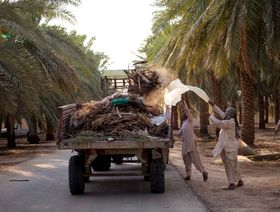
(41, 184)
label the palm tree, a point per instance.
(17, 94)
(226, 33)
(85, 63)
(31, 63)
(170, 25)
(70, 67)
(18, 67)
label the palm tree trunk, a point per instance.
(259, 87)
(10, 123)
(1, 122)
(261, 112)
(248, 92)
(248, 124)
(203, 112)
(50, 131)
(216, 87)
(266, 106)
(203, 117)
(276, 109)
(33, 137)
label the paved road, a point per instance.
(41, 184)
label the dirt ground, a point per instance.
(261, 190)
(24, 151)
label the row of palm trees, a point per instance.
(42, 66)
(230, 47)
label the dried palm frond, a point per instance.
(143, 79)
(104, 117)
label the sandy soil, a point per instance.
(24, 151)
(261, 191)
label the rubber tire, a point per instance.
(101, 163)
(167, 156)
(117, 159)
(157, 176)
(75, 175)
(147, 178)
(86, 179)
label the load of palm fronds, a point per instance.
(115, 115)
(143, 78)
(120, 115)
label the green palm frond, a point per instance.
(63, 43)
(272, 26)
(7, 93)
(48, 9)
(70, 48)
(21, 71)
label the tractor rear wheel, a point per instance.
(157, 176)
(75, 175)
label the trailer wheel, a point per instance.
(86, 179)
(75, 175)
(157, 176)
(117, 159)
(167, 156)
(101, 163)
(147, 178)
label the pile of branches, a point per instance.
(105, 117)
(143, 79)
(120, 115)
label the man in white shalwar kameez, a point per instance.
(227, 146)
(189, 150)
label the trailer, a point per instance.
(94, 156)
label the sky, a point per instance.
(119, 26)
